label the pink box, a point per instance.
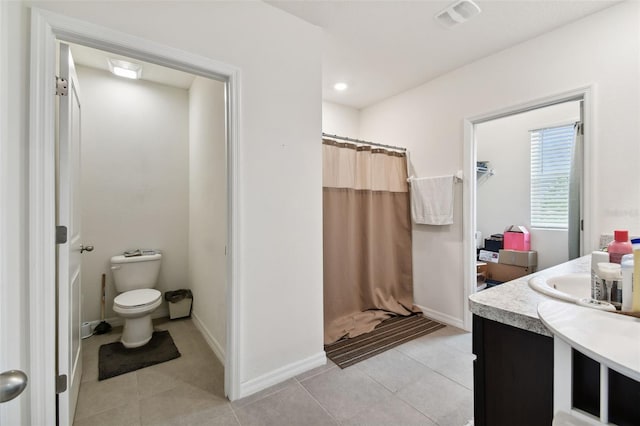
(517, 238)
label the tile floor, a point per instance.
(427, 382)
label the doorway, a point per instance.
(46, 30)
(471, 158)
(153, 176)
(523, 158)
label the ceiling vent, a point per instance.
(457, 13)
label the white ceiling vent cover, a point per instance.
(458, 13)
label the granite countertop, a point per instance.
(516, 304)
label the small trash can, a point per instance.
(180, 302)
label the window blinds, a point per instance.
(551, 153)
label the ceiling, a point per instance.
(382, 48)
(94, 58)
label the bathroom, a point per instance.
(153, 176)
(428, 119)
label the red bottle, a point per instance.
(619, 246)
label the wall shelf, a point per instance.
(483, 169)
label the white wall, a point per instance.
(340, 120)
(600, 50)
(207, 209)
(280, 173)
(504, 198)
(135, 179)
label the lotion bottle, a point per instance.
(619, 246)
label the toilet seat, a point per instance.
(136, 300)
(136, 306)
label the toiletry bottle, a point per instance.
(619, 246)
(612, 278)
(627, 282)
(597, 286)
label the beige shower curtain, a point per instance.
(367, 238)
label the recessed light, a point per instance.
(125, 69)
(341, 86)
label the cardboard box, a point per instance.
(481, 272)
(517, 237)
(518, 258)
(502, 273)
(488, 256)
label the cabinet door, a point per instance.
(513, 375)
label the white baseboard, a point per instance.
(443, 318)
(213, 343)
(281, 374)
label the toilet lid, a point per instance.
(140, 297)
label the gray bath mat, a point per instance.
(114, 359)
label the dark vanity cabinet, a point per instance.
(513, 380)
(512, 375)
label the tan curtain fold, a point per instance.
(367, 239)
(349, 166)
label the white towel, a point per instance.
(432, 200)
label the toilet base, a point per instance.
(137, 331)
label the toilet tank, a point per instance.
(132, 273)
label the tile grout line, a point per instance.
(138, 400)
(452, 380)
(233, 410)
(420, 411)
(382, 384)
(318, 402)
(439, 373)
(395, 394)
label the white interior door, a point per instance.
(68, 214)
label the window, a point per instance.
(551, 153)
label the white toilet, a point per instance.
(135, 278)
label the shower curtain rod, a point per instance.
(344, 138)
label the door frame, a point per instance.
(14, 329)
(588, 198)
(46, 29)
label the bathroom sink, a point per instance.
(573, 288)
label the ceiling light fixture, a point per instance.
(457, 13)
(341, 87)
(125, 69)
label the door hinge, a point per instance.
(62, 86)
(61, 383)
(582, 224)
(61, 234)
